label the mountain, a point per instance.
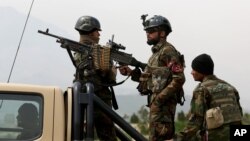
(40, 60)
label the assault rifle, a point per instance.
(115, 53)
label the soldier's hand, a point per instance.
(125, 70)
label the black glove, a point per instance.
(135, 74)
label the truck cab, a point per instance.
(57, 115)
(50, 106)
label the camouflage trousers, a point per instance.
(160, 131)
(219, 134)
(161, 124)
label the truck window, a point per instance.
(20, 116)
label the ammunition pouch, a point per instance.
(101, 57)
(214, 118)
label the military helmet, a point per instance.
(157, 21)
(87, 24)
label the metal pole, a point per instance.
(118, 120)
(90, 108)
(77, 113)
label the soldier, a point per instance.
(214, 107)
(27, 119)
(162, 79)
(89, 28)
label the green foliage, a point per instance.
(143, 128)
(180, 122)
(179, 125)
(141, 118)
(134, 118)
(181, 116)
(143, 114)
(246, 119)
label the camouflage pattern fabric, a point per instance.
(104, 125)
(160, 78)
(226, 97)
(163, 101)
(204, 96)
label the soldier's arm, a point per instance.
(197, 112)
(79, 57)
(171, 60)
(173, 87)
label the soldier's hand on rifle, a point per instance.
(125, 70)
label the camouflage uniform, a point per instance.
(164, 98)
(212, 92)
(104, 125)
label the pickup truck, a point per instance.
(58, 115)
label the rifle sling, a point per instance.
(113, 84)
(71, 56)
(114, 102)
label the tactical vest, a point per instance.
(226, 97)
(161, 74)
(160, 77)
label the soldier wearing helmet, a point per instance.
(89, 28)
(162, 79)
(157, 23)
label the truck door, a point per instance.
(27, 112)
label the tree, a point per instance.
(134, 118)
(181, 121)
(143, 114)
(181, 116)
(246, 119)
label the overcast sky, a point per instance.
(217, 27)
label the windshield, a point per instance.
(20, 116)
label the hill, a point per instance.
(40, 58)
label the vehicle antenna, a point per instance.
(20, 42)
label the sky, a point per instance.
(219, 28)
